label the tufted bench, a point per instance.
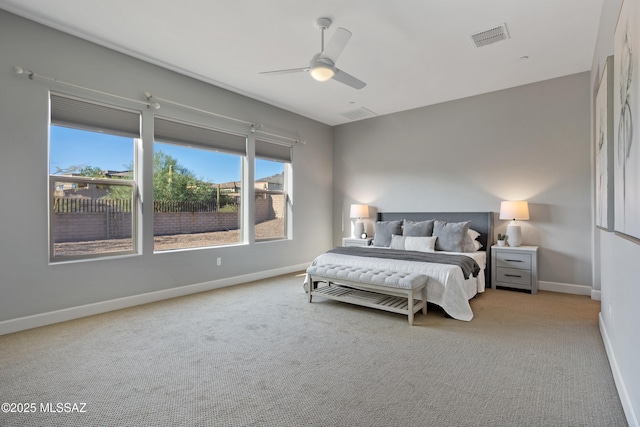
(370, 287)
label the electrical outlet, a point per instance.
(219, 261)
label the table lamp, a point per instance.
(359, 212)
(514, 210)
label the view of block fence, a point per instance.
(106, 220)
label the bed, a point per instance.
(450, 285)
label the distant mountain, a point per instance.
(276, 179)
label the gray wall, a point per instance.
(529, 142)
(616, 268)
(29, 285)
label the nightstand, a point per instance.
(515, 267)
(352, 241)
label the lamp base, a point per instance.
(358, 229)
(514, 235)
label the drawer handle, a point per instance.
(514, 260)
(512, 275)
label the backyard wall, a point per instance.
(166, 223)
(84, 226)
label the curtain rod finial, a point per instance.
(19, 70)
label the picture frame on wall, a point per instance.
(626, 90)
(603, 146)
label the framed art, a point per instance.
(626, 118)
(603, 105)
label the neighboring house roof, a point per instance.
(118, 174)
(269, 183)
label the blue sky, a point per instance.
(73, 147)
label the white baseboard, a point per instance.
(566, 288)
(49, 318)
(627, 404)
(596, 295)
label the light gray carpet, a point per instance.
(260, 355)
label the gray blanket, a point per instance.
(467, 264)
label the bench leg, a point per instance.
(411, 308)
(310, 287)
(424, 299)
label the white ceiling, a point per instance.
(411, 53)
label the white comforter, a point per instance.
(446, 287)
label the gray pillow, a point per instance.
(419, 229)
(451, 235)
(384, 230)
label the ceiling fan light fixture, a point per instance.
(322, 66)
(322, 73)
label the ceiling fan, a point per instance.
(322, 66)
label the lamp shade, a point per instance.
(518, 209)
(359, 211)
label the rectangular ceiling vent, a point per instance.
(490, 36)
(359, 113)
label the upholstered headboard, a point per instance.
(482, 222)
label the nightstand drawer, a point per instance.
(513, 260)
(514, 276)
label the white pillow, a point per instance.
(473, 234)
(421, 243)
(470, 242)
(413, 243)
(397, 242)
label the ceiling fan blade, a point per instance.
(337, 43)
(287, 71)
(348, 79)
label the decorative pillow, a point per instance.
(473, 234)
(470, 243)
(451, 235)
(413, 243)
(422, 228)
(384, 230)
(397, 242)
(420, 243)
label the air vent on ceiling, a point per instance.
(490, 36)
(359, 113)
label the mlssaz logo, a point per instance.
(66, 407)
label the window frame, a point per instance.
(91, 126)
(196, 136)
(280, 152)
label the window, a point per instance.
(91, 179)
(272, 202)
(197, 186)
